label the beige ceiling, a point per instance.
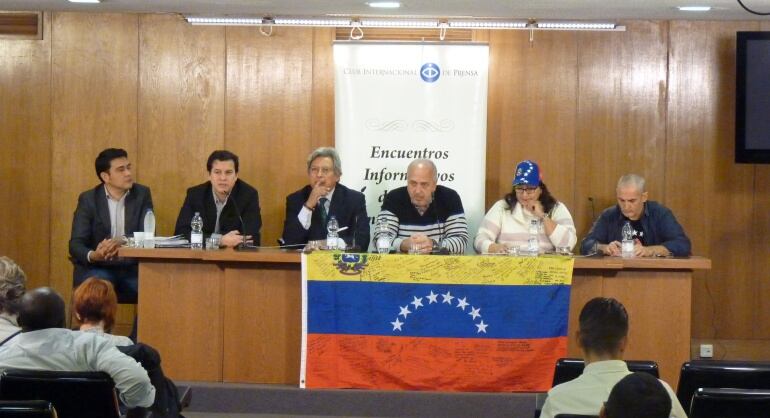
(540, 9)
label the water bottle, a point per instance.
(149, 229)
(331, 237)
(627, 245)
(384, 237)
(196, 236)
(533, 242)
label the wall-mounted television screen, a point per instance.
(752, 98)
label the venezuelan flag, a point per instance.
(454, 323)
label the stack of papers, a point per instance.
(177, 241)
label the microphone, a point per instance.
(593, 215)
(440, 250)
(243, 246)
(353, 247)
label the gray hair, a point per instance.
(632, 180)
(326, 152)
(423, 161)
(12, 284)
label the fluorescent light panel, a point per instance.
(694, 8)
(320, 21)
(384, 4)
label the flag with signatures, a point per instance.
(450, 323)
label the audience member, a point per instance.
(602, 336)
(95, 304)
(12, 284)
(638, 395)
(44, 344)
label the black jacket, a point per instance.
(348, 206)
(200, 199)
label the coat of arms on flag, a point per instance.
(457, 323)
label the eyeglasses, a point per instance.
(322, 170)
(524, 189)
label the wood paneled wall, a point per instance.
(656, 99)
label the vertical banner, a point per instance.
(397, 102)
(449, 323)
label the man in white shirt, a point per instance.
(44, 344)
(602, 336)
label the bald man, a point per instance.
(44, 344)
(423, 216)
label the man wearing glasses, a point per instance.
(655, 230)
(308, 209)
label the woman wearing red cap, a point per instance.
(507, 223)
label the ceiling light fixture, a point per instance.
(384, 4)
(395, 22)
(694, 8)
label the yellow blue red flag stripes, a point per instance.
(460, 323)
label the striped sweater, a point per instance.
(501, 225)
(444, 221)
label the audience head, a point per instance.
(41, 308)
(222, 166)
(603, 328)
(95, 303)
(638, 395)
(114, 169)
(12, 284)
(528, 186)
(421, 180)
(631, 196)
(324, 167)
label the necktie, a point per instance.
(322, 203)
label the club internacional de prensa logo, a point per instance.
(350, 264)
(430, 72)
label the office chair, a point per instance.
(27, 409)
(73, 394)
(697, 374)
(570, 368)
(575, 416)
(730, 403)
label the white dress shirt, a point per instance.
(60, 349)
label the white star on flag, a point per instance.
(461, 303)
(447, 297)
(417, 302)
(397, 325)
(432, 298)
(475, 312)
(405, 311)
(481, 326)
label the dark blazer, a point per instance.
(200, 199)
(348, 206)
(91, 222)
(660, 228)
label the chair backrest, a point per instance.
(720, 374)
(730, 403)
(570, 368)
(26, 409)
(575, 416)
(73, 394)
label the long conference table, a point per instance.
(228, 316)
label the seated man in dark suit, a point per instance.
(228, 205)
(104, 215)
(309, 208)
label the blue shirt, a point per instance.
(659, 224)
